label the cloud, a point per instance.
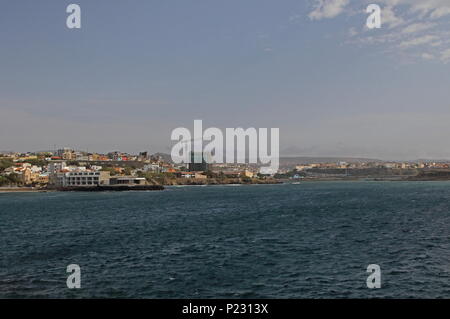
(445, 55)
(353, 32)
(390, 18)
(432, 8)
(427, 56)
(440, 12)
(328, 9)
(418, 41)
(294, 18)
(411, 29)
(417, 27)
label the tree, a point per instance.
(140, 174)
(246, 179)
(5, 163)
(11, 179)
(111, 170)
(4, 181)
(37, 162)
(210, 174)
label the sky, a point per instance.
(138, 69)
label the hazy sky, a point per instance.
(138, 69)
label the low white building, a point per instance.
(79, 178)
(55, 167)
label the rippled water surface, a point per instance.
(313, 240)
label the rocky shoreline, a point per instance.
(160, 185)
(22, 190)
(213, 181)
(121, 188)
(154, 185)
(431, 176)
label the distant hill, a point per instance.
(166, 157)
(421, 160)
(292, 161)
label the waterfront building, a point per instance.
(127, 180)
(79, 178)
(42, 179)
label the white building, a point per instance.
(55, 167)
(79, 178)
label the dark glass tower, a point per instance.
(198, 163)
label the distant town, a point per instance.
(66, 168)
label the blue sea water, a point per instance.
(312, 240)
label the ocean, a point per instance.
(311, 240)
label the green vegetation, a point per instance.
(12, 179)
(4, 181)
(37, 162)
(45, 154)
(211, 174)
(5, 163)
(246, 179)
(111, 171)
(290, 174)
(159, 178)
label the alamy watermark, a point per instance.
(235, 146)
(374, 279)
(74, 279)
(73, 21)
(374, 19)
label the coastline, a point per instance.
(24, 190)
(216, 181)
(155, 187)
